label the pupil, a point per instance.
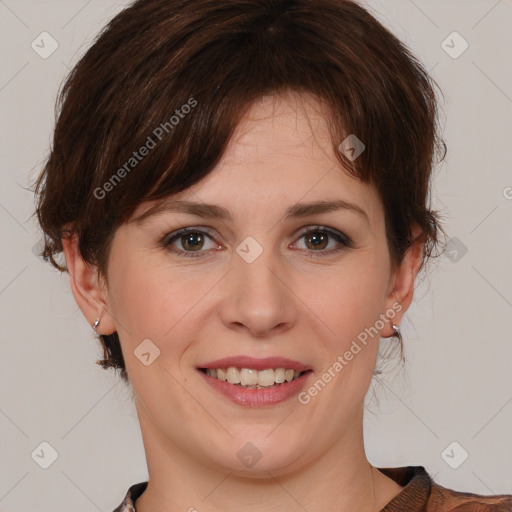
(189, 240)
(318, 239)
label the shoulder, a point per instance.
(134, 492)
(442, 499)
(421, 493)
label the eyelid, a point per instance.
(332, 231)
(342, 240)
(213, 233)
(183, 231)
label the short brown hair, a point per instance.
(157, 56)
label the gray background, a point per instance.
(457, 383)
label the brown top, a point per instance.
(420, 494)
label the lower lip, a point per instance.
(257, 397)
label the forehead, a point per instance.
(283, 149)
(277, 125)
(281, 153)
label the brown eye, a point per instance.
(317, 241)
(192, 241)
(188, 241)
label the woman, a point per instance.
(240, 190)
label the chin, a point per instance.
(255, 454)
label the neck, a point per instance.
(339, 479)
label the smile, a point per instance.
(250, 378)
(248, 391)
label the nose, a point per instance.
(258, 296)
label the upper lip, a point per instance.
(255, 363)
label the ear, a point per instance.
(88, 288)
(401, 287)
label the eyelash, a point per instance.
(344, 241)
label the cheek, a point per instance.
(152, 300)
(351, 298)
(142, 298)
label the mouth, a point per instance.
(255, 382)
(251, 378)
(252, 382)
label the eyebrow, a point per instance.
(212, 211)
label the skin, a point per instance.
(284, 303)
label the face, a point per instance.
(260, 284)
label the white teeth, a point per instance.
(233, 375)
(266, 377)
(280, 375)
(251, 378)
(248, 377)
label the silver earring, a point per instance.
(95, 324)
(396, 333)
